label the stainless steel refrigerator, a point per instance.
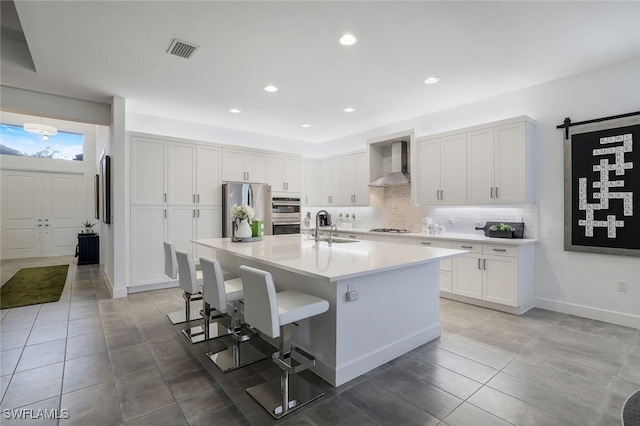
(256, 195)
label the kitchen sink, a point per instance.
(339, 240)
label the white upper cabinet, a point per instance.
(498, 165)
(148, 171)
(484, 164)
(208, 176)
(239, 165)
(330, 182)
(285, 174)
(441, 170)
(312, 183)
(182, 174)
(354, 176)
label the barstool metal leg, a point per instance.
(237, 355)
(281, 395)
(187, 314)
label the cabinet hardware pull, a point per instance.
(194, 213)
(492, 192)
(479, 263)
(442, 194)
(352, 236)
(198, 198)
(467, 247)
(198, 213)
(194, 198)
(165, 197)
(484, 264)
(165, 213)
(496, 192)
(425, 243)
(495, 249)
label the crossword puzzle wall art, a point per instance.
(602, 187)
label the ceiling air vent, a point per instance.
(182, 49)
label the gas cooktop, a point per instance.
(394, 230)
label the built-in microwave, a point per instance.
(285, 215)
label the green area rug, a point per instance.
(30, 286)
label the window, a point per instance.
(62, 146)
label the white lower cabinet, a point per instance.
(495, 273)
(152, 225)
(446, 266)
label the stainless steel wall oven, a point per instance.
(285, 215)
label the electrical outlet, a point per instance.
(352, 295)
(622, 286)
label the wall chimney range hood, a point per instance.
(398, 175)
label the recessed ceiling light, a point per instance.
(305, 125)
(432, 80)
(271, 88)
(349, 109)
(234, 110)
(347, 40)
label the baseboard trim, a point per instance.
(148, 287)
(627, 320)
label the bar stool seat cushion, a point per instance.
(233, 288)
(295, 306)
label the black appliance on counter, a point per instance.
(324, 219)
(285, 215)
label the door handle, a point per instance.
(466, 247)
(496, 192)
(479, 263)
(492, 192)
(425, 243)
(484, 264)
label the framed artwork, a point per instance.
(96, 195)
(602, 187)
(105, 171)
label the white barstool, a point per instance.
(273, 314)
(219, 293)
(171, 270)
(189, 282)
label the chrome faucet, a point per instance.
(318, 223)
(331, 233)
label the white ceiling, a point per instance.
(98, 49)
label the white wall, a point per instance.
(578, 283)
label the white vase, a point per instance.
(243, 229)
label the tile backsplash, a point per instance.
(397, 211)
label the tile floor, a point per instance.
(101, 361)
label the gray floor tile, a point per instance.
(170, 416)
(386, 407)
(41, 413)
(33, 385)
(17, 322)
(119, 338)
(96, 405)
(603, 347)
(47, 333)
(467, 414)
(87, 371)
(85, 325)
(475, 351)
(513, 410)
(13, 339)
(170, 350)
(336, 411)
(52, 316)
(546, 398)
(85, 344)
(461, 365)
(620, 391)
(567, 359)
(631, 366)
(211, 408)
(132, 359)
(423, 395)
(9, 360)
(43, 354)
(143, 393)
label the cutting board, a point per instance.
(517, 226)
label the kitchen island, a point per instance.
(383, 297)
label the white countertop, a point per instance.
(298, 253)
(448, 236)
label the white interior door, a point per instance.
(41, 213)
(22, 222)
(63, 207)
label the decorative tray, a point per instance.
(245, 239)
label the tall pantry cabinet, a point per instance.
(175, 196)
